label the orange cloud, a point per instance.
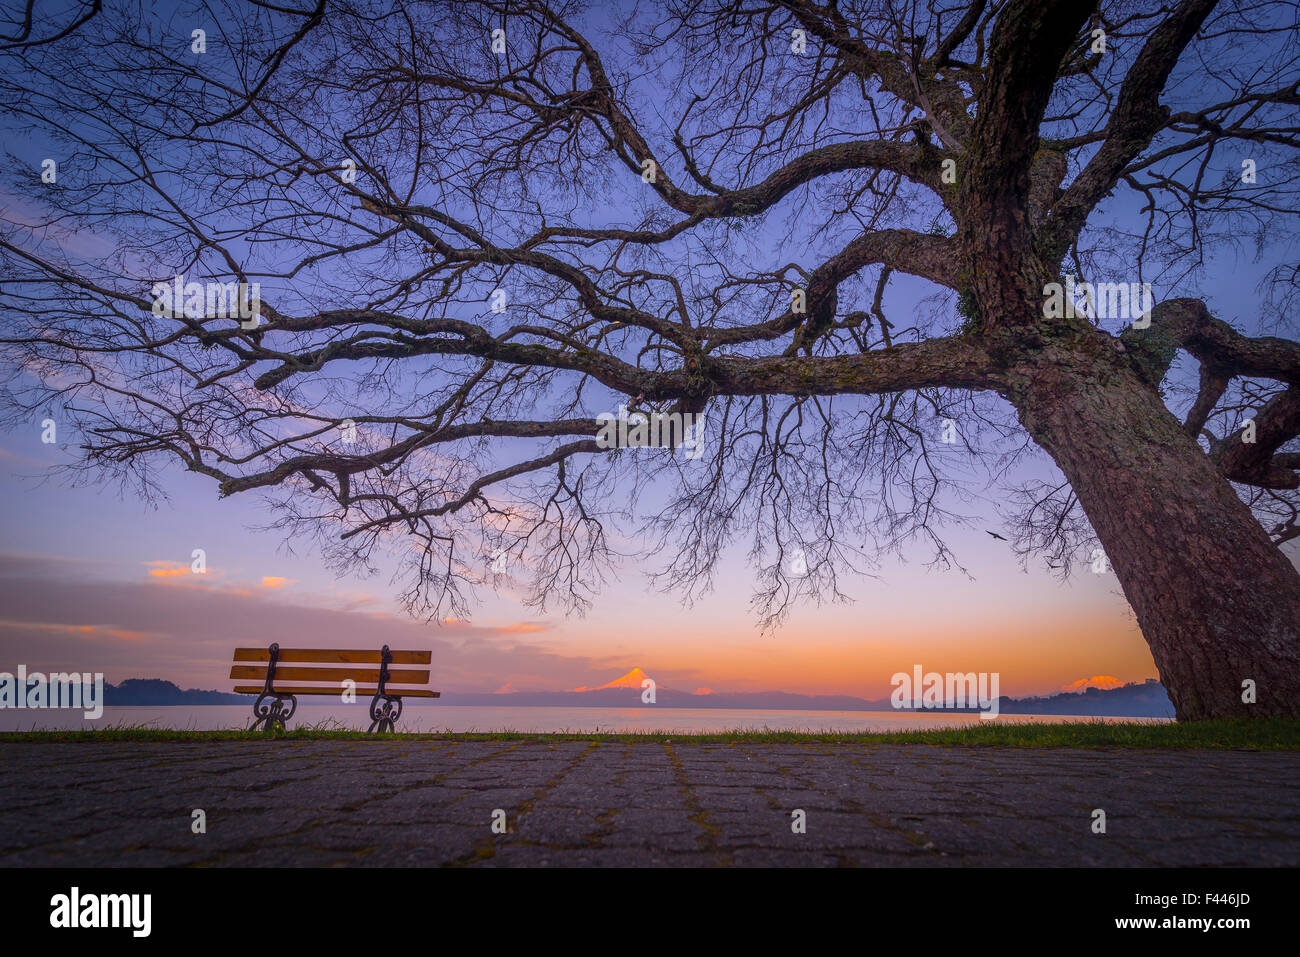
(1104, 682)
(167, 570)
(275, 581)
(704, 691)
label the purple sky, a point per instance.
(94, 581)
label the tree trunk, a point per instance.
(1218, 603)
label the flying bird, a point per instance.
(996, 535)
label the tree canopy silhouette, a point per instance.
(474, 227)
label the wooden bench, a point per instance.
(280, 668)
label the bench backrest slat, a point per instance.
(361, 692)
(396, 676)
(334, 656)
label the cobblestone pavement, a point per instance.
(402, 803)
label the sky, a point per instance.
(97, 581)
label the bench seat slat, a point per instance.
(343, 656)
(291, 673)
(306, 690)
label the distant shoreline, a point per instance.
(1140, 700)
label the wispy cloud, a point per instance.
(59, 615)
(81, 631)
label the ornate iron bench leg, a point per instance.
(269, 713)
(269, 710)
(385, 709)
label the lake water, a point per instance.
(462, 718)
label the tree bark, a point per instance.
(1218, 603)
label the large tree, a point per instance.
(476, 226)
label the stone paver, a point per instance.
(417, 803)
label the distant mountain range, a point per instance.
(154, 693)
(1145, 700)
